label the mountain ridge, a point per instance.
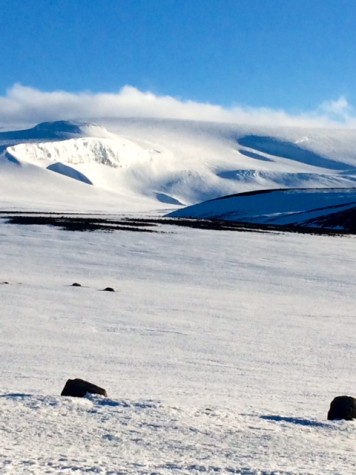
(166, 164)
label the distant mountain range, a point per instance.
(153, 166)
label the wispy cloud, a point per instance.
(25, 106)
(338, 109)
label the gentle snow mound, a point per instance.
(315, 208)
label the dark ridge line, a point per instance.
(253, 227)
(69, 223)
(51, 213)
(273, 190)
(80, 224)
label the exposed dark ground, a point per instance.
(86, 222)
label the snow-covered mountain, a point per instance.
(142, 164)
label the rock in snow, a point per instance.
(342, 407)
(79, 388)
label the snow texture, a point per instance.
(220, 352)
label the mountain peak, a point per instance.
(56, 130)
(59, 128)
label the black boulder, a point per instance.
(79, 388)
(342, 407)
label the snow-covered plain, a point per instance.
(220, 351)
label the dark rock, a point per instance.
(109, 289)
(76, 284)
(79, 388)
(342, 407)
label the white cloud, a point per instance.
(338, 109)
(24, 106)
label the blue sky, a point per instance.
(281, 54)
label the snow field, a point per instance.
(220, 351)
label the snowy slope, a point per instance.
(149, 164)
(26, 186)
(220, 352)
(333, 209)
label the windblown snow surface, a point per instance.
(220, 351)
